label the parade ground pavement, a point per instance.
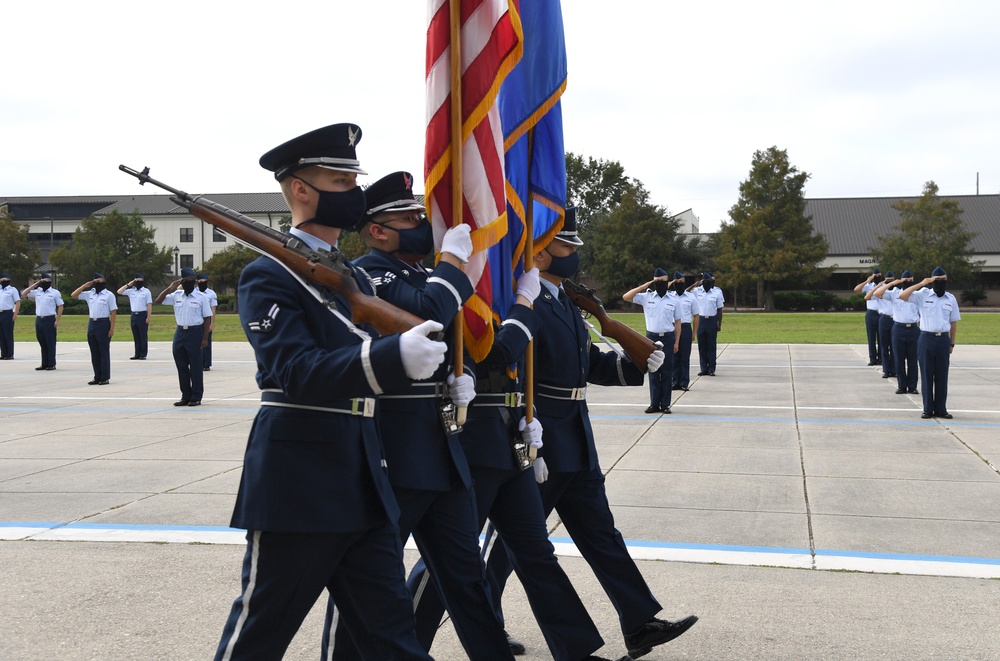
(793, 502)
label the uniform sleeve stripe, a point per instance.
(451, 288)
(366, 363)
(515, 322)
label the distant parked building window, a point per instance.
(187, 261)
(187, 235)
(218, 236)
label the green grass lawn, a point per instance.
(740, 328)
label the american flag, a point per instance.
(490, 47)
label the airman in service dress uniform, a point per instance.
(103, 309)
(886, 359)
(140, 301)
(567, 467)
(193, 315)
(939, 318)
(48, 312)
(710, 303)
(427, 466)
(871, 315)
(315, 497)
(213, 301)
(507, 495)
(663, 325)
(10, 305)
(689, 312)
(905, 333)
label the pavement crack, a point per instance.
(802, 458)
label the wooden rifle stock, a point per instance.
(327, 269)
(636, 345)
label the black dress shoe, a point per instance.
(516, 646)
(946, 416)
(665, 410)
(49, 369)
(656, 632)
(675, 387)
(873, 363)
(900, 391)
(925, 415)
(39, 369)
(702, 373)
(194, 402)
(601, 658)
(206, 369)
(134, 358)
(103, 383)
(93, 383)
(142, 358)
(913, 391)
(711, 373)
(653, 409)
(886, 375)
(182, 402)
(685, 388)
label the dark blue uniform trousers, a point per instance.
(6, 333)
(885, 343)
(511, 501)
(582, 504)
(187, 358)
(661, 381)
(206, 353)
(140, 333)
(443, 526)
(934, 357)
(100, 347)
(904, 351)
(682, 359)
(45, 333)
(285, 573)
(708, 331)
(871, 327)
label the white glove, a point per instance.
(655, 361)
(458, 241)
(528, 286)
(421, 355)
(461, 389)
(541, 470)
(531, 432)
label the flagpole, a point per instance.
(529, 262)
(457, 199)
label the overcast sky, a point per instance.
(871, 98)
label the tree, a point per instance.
(595, 186)
(632, 240)
(18, 256)
(224, 267)
(930, 233)
(117, 245)
(771, 241)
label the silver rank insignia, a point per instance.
(266, 324)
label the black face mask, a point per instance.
(661, 288)
(139, 284)
(202, 286)
(45, 285)
(417, 240)
(99, 287)
(188, 286)
(679, 287)
(564, 267)
(940, 287)
(877, 279)
(341, 209)
(708, 284)
(4, 283)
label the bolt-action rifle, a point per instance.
(328, 269)
(637, 346)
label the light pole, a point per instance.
(177, 252)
